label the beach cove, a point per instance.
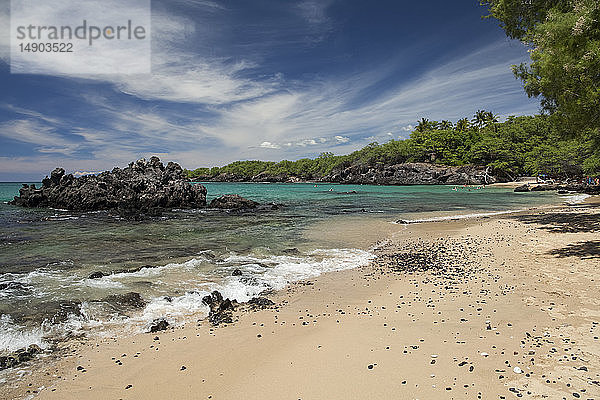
(486, 307)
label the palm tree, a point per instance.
(423, 125)
(462, 124)
(490, 119)
(445, 124)
(479, 118)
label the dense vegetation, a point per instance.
(527, 145)
(564, 72)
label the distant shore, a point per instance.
(456, 309)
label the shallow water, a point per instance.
(47, 255)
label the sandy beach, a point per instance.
(486, 308)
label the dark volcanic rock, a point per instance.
(412, 174)
(131, 299)
(144, 186)
(20, 356)
(232, 202)
(544, 188)
(63, 309)
(292, 251)
(221, 310)
(158, 325)
(96, 275)
(236, 272)
(100, 274)
(592, 189)
(522, 188)
(260, 302)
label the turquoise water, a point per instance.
(47, 255)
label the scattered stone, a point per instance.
(159, 324)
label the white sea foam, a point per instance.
(14, 336)
(457, 216)
(260, 273)
(576, 198)
(174, 309)
(287, 269)
(114, 281)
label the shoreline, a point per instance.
(205, 351)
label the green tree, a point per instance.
(564, 41)
(445, 124)
(462, 124)
(423, 125)
(479, 118)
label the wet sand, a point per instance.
(488, 308)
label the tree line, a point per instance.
(525, 145)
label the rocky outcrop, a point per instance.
(20, 356)
(522, 189)
(412, 174)
(233, 202)
(143, 186)
(221, 310)
(126, 300)
(562, 189)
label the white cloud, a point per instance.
(269, 145)
(44, 138)
(325, 110)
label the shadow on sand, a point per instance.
(589, 249)
(564, 222)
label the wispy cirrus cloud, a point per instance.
(284, 124)
(210, 101)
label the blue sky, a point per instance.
(263, 79)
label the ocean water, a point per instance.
(47, 255)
